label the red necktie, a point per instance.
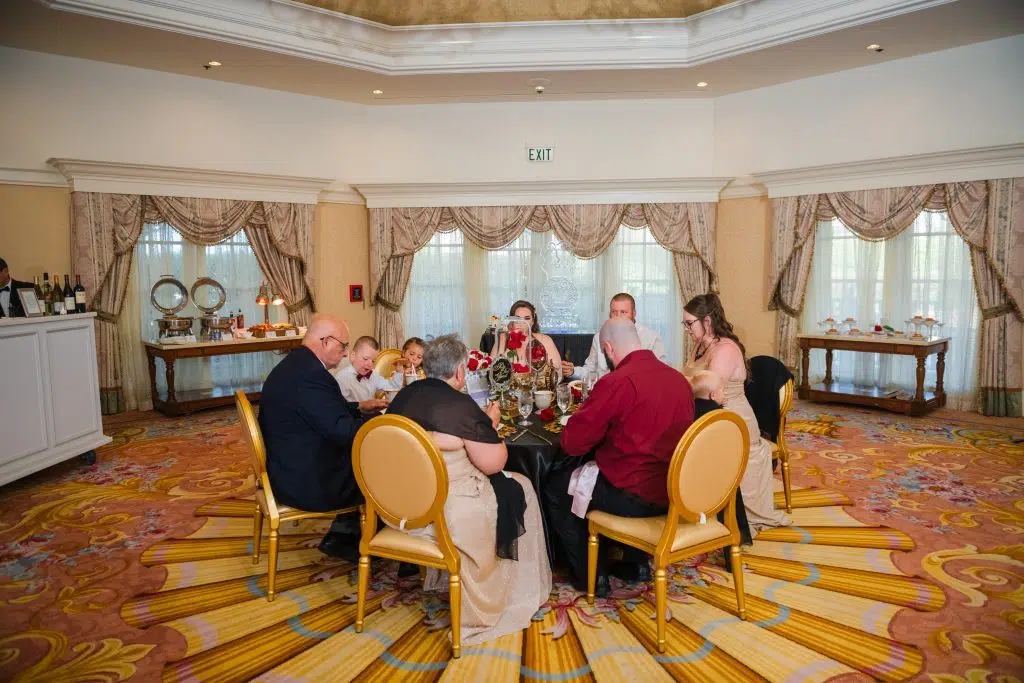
(360, 378)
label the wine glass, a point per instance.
(589, 381)
(563, 395)
(525, 407)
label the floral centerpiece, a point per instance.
(523, 372)
(478, 361)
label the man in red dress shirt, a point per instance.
(632, 422)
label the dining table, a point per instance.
(535, 452)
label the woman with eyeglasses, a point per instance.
(718, 355)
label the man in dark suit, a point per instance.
(10, 302)
(308, 429)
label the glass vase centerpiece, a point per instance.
(518, 345)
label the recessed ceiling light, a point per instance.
(378, 92)
(214, 63)
(702, 84)
(874, 47)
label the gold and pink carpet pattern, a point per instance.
(905, 562)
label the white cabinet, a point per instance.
(50, 405)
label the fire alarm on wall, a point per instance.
(355, 293)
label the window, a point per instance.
(161, 250)
(456, 286)
(924, 271)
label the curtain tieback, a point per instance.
(298, 306)
(996, 311)
(106, 317)
(387, 304)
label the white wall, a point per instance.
(62, 107)
(961, 98)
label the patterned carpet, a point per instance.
(906, 563)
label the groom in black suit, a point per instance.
(308, 429)
(10, 303)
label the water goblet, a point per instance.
(563, 395)
(525, 407)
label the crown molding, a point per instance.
(28, 176)
(980, 163)
(341, 194)
(531, 192)
(102, 176)
(305, 31)
(742, 188)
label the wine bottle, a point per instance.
(57, 296)
(79, 295)
(240, 320)
(69, 295)
(46, 300)
(35, 286)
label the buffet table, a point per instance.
(51, 386)
(840, 392)
(184, 402)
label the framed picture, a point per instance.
(29, 302)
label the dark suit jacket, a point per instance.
(16, 309)
(308, 429)
(767, 376)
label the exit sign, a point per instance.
(540, 153)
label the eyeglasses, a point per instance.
(689, 323)
(344, 345)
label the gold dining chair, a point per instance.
(265, 505)
(779, 449)
(702, 479)
(385, 445)
(385, 363)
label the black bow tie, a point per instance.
(5, 288)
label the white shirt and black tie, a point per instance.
(5, 298)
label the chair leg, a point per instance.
(591, 566)
(661, 603)
(272, 565)
(257, 533)
(364, 581)
(455, 612)
(737, 579)
(785, 483)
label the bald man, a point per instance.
(308, 429)
(631, 422)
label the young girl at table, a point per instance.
(410, 364)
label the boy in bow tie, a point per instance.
(358, 380)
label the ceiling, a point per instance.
(426, 12)
(27, 24)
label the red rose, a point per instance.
(547, 415)
(472, 364)
(520, 368)
(516, 339)
(538, 353)
(485, 363)
(577, 393)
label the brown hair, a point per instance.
(366, 340)
(533, 311)
(413, 341)
(623, 296)
(709, 305)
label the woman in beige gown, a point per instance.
(717, 349)
(500, 595)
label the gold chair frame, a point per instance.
(780, 450)
(384, 365)
(266, 505)
(662, 552)
(449, 560)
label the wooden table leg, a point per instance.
(940, 369)
(169, 372)
(805, 369)
(919, 394)
(152, 376)
(828, 366)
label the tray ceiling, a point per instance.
(426, 12)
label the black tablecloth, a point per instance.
(530, 456)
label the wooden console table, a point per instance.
(841, 392)
(182, 403)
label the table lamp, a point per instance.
(263, 299)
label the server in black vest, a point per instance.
(308, 429)
(10, 304)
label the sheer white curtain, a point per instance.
(925, 271)
(456, 286)
(160, 251)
